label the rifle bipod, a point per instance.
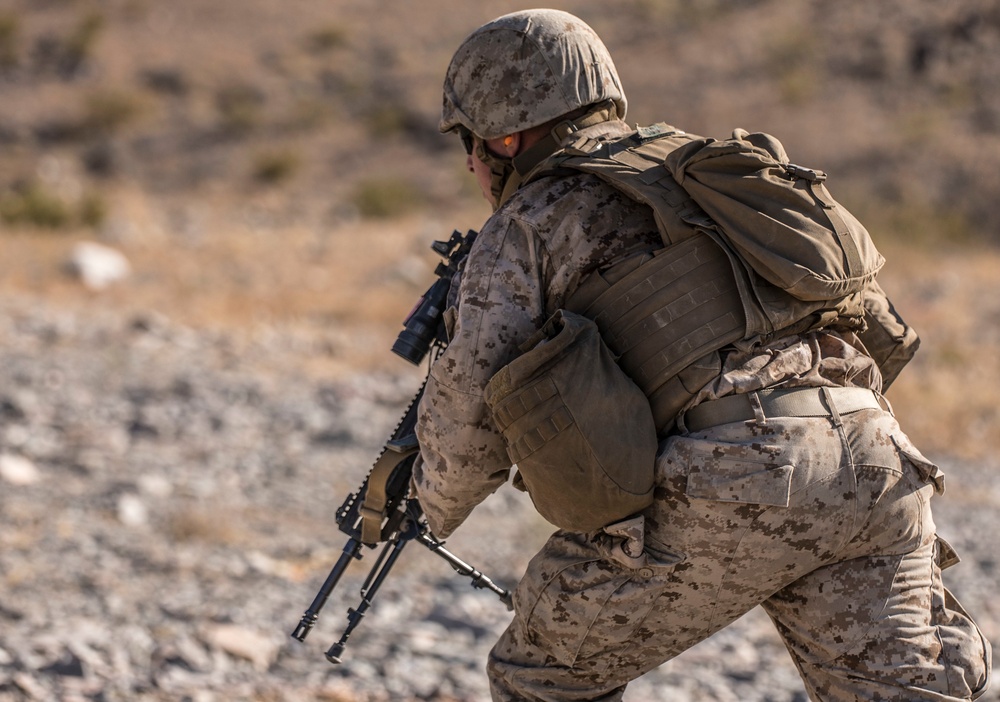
(412, 528)
(381, 511)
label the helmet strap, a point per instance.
(507, 174)
(501, 169)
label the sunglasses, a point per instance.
(468, 140)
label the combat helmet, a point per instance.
(525, 69)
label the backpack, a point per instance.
(787, 258)
(779, 217)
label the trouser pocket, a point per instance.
(578, 601)
(965, 652)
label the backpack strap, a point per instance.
(833, 212)
(634, 165)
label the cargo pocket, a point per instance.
(928, 471)
(965, 652)
(589, 608)
(751, 473)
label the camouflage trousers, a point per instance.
(826, 523)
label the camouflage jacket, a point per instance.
(528, 259)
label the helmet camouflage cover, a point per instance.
(524, 69)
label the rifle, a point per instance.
(381, 511)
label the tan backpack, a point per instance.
(801, 260)
(779, 217)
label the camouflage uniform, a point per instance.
(825, 522)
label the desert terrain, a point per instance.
(175, 438)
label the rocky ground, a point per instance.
(167, 503)
(168, 480)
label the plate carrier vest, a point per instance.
(667, 315)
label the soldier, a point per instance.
(817, 508)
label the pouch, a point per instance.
(579, 430)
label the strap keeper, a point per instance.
(758, 410)
(828, 401)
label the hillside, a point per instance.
(267, 164)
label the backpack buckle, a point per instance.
(809, 174)
(655, 131)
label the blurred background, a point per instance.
(262, 163)
(271, 172)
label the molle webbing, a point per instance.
(665, 314)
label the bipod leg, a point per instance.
(462, 568)
(376, 576)
(351, 551)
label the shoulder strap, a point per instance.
(634, 165)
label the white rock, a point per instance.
(97, 265)
(132, 511)
(18, 470)
(243, 643)
(155, 486)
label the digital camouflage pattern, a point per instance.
(524, 69)
(827, 525)
(527, 260)
(825, 522)
(520, 270)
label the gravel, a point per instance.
(167, 499)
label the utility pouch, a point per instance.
(888, 339)
(579, 430)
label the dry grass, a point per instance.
(947, 398)
(342, 294)
(232, 149)
(345, 290)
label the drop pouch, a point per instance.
(579, 430)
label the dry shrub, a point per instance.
(202, 524)
(791, 60)
(108, 111)
(92, 210)
(916, 223)
(10, 28)
(327, 38)
(34, 205)
(240, 106)
(274, 167)
(79, 45)
(385, 198)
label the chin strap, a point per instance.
(507, 174)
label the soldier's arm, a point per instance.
(463, 458)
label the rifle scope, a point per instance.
(421, 326)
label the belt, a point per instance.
(785, 402)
